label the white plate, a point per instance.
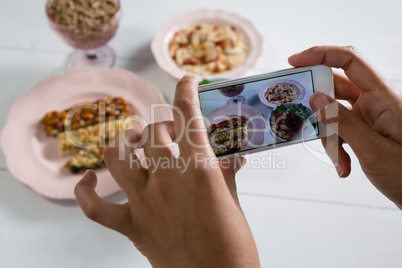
(301, 91)
(308, 131)
(33, 158)
(160, 43)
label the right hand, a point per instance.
(372, 127)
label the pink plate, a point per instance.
(160, 43)
(255, 128)
(32, 157)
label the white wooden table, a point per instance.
(301, 216)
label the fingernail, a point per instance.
(294, 55)
(87, 171)
(318, 101)
(239, 164)
(243, 162)
(188, 75)
(135, 156)
(339, 170)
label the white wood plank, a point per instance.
(56, 234)
(293, 233)
(306, 176)
(287, 27)
(301, 216)
(288, 233)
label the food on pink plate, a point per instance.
(85, 130)
(85, 114)
(281, 93)
(227, 136)
(98, 134)
(207, 49)
(89, 158)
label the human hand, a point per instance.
(186, 214)
(372, 127)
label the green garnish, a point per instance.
(204, 82)
(281, 109)
(299, 110)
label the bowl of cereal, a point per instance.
(208, 43)
(281, 91)
(87, 26)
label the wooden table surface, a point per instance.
(301, 216)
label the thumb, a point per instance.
(229, 168)
(108, 214)
(347, 125)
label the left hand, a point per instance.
(186, 214)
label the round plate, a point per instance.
(160, 43)
(301, 91)
(308, 130)
(33, 158)
(255, 128)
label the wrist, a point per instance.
(211, 256)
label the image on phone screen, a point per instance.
(261, 113)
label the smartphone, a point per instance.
(265, 111)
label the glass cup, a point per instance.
(233, 92)
(89, 42)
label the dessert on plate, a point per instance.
(84, 130)
(227, 136)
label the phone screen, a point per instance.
(260, 113)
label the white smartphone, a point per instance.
(265, 111)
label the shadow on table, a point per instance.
(118, 197)
(18, 201)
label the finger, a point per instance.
(159, 139)
(345, 90)
(337, 154)
(158, 146)
(364, 141)
(189, 124)
(124, 163)
(356, 67)
(229, 168)
(108, 214)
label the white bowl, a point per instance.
(160, 43)
(307, 124)
(301, 91)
